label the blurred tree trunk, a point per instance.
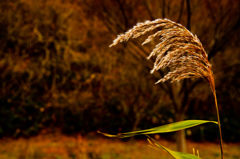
(181, 137)
(180, 99)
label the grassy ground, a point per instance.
(57, 146)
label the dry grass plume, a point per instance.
(178, 49)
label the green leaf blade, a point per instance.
(164, 128)
(175, 154)
(178, 126)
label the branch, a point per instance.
(188, 15)
(148, 10)
(181, 12)
(224, 40)
(123, 13)
(163, 8)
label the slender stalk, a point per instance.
(219, 124)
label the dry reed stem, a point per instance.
(178, 49)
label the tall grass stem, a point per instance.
(219, 124)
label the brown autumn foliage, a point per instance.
(58, 71)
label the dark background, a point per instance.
(59, 74)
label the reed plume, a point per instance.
(179, 50)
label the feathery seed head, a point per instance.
(178, 49)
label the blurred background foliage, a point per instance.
(58, 73)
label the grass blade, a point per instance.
(163, 129)
(175, 154)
